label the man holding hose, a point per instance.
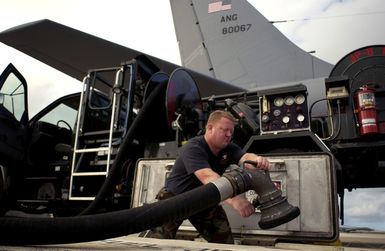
(204, 159)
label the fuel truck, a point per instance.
(111, 146)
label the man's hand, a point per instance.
(261, 162)
(241, 205)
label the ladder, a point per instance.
(100, 128)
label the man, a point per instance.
(204, 159)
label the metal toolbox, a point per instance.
(307, 180)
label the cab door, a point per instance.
(13, 114)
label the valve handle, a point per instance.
(254, 163)
(248, 162)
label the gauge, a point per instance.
(265, 118)
(299, 99)
(289, 100)
(300, 117)
(278, 102)
(286, 119)
(277, 112)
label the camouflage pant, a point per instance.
(212, 224)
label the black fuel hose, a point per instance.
(121, 156)
(42, 231)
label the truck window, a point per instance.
(62, 115)
(12, 93)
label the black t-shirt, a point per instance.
(195, 155)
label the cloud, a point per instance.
(343, 27)
(332, 28)
(365, 207)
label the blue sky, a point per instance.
(331, 28)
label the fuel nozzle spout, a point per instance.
(275, 208)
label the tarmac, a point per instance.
(133, 242)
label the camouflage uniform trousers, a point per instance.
(212, 224)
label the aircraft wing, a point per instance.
(74, 52)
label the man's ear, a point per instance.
(209, 127)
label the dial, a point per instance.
(300, 117)
(289, 100)
(286, 119)
(265, 118)
(278, 102)
(299, 99)
(277, 112)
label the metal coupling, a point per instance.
(239, 178)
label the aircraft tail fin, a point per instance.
(232, 41)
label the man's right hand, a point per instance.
(241, 205)
(261, 162)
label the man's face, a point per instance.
(221, 132)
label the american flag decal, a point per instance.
(219, 5)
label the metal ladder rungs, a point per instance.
(101, 162)
(90, 150)
(82, 198)
(89, 174)
(104, 154)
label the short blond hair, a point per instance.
(216, 115)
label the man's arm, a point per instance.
(262, 162)
(239, 203)
(206, 175)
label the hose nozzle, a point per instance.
(275, 209)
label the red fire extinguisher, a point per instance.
(365, 107)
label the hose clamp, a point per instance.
(239, 179)
(224, 187)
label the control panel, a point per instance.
(284, 109)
